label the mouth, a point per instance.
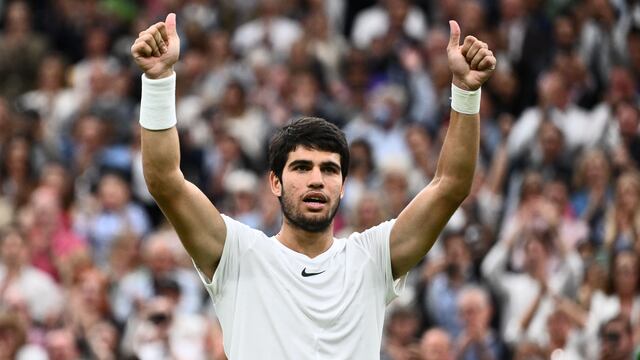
(315, 200)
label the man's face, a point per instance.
(311, 188)
(615, 342)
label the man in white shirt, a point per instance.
(304, 294)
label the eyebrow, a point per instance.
(310, 163)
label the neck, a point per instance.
(304, 242)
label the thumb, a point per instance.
(170, 23)
(454, 37)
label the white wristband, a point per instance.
(158, 103)
(464, 101)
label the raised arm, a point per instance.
(420, 223)
(197, 222)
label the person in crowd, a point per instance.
(19, 278)
(436, 344)
(477, 340)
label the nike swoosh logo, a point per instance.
(307, 274)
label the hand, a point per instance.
(157, 49)
(472, 63)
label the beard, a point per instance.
(299, 220)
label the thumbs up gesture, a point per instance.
(157, 49)
(472, 63)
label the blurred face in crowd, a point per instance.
(61, 345)
(475, 310)
(17, 158)
(419, 142)
(625, 273)
(113, 192)
(616, 342)
(51, 74)
(97, 42)
(46, 207)
(159, 312)
(233, 99)
(13, 249)
(436, 345)
(457, 254)
(92, 287)
(621, 86)
(564, 32)
(12, 336)
(553, 90)
(559, 326)
(159, 256)
(535, 252)
(472, 16)
(310, 189)
(368, 212)
(18, 17)
(305, 93)
(551, 142)
(557, 193)
(219, 44)
(403, 326)
(595, 168)
(628, 120)
(628, 193)
(89, 133)
(633, 50)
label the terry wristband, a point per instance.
(158, 103)
(464, 101)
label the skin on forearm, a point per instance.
(161, 161)
(420, 223)
(459, 154)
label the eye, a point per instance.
(331, 170)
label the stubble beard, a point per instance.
(308, 224)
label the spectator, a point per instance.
(616, 339)
(22, 50)
(161, 332)
(18, 277)
(53, 244)
(61, 345)
(446, 278)
(477, 340)
(622, 224)
(400, 342)
(436, 345)
(115, 214)
(376, 22)
(142, 284)
(270, 31)
(524, 317)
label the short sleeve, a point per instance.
(228, 267)
(376, 242)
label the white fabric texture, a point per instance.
(268, 310)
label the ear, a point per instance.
(276, 185)
(342, 192)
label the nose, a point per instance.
(315, 178)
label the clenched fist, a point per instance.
(157, 49)
(472, 63)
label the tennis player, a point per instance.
(304, 294)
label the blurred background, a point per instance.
(540, 262)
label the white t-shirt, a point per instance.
(269, 309)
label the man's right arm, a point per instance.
(198, 223)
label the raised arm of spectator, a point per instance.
(201, 229)
(420, 223)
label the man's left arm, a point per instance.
(420, 223)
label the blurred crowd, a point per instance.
(541, 261)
